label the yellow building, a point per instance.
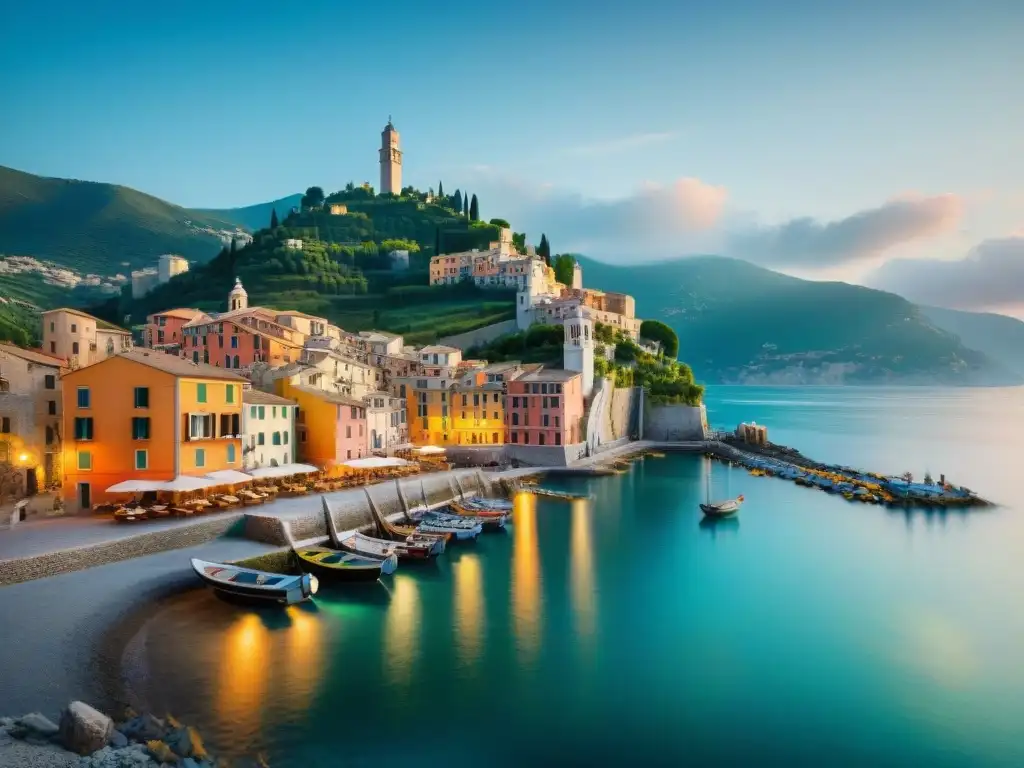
(331, 428)
(478, 405)
(146, 415)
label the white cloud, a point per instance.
(990, 276)
(809, 243)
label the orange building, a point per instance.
(146, 415)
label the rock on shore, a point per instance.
(87, 738)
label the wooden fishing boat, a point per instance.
(462, 509)
(500, 505)
(326, 563)
(489, 519)
(558, 494)
(722, 508)
(258, 586)
(460, 528)
(389, 530)
(368, 546)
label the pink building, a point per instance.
(545, 407)
(331, 428)
(163, 329)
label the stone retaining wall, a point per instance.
(675, 422)
(69, 560)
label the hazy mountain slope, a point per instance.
(998, 336)
(97, 228)
(741, 323)
(254, 217)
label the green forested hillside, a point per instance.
(740, 323)
(97, 228)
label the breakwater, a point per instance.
(772, 460)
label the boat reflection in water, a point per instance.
(584, 597)
(469, 601)
(526, 599)
(401, 633)
(242, 685)
(717, 525)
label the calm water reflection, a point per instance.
(626, 629)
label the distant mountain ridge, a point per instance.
(255, 217)
(97, 228)
(739, 323)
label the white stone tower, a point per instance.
(390, 161)
(577, 276)
(238, 298)
(578, 349)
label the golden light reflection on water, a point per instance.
(942, 649)
(304, 660)
(243, 673)
(469, 602)
(584, 599)
(526, 601)
(401, 633)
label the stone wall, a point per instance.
(68, 560)
(546, 455)
(621, 414)
(477, 456)
(483, 335)
(674, 422)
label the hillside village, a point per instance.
(257, 387)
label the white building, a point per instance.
(386, 424)
(293, 244)
(578, 348)
(169, 265)
(144, 281)
(268, 430)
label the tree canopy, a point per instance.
(659, 331)
(313, 198)
(563, 265)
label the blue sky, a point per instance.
(784, 120)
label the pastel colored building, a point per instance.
(30, 415)
(268, 429)
(428, 396)
(386, 423)
(82, 339)
(163, 329)
(545, 407)
(146, 415)
(478, 404)
(330, 428)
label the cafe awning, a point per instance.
(283, 471)
(229, 476)
(375, 462)
(136, 486)
(177, 485)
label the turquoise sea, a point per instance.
(811, 631)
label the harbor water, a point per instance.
(627, 630)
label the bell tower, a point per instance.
(390, 161)
(578, 348)
(238, 298)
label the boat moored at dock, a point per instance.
(255, 586)
(334, 565)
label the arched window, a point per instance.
(236, 362)
(227, 361)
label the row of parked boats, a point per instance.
(357, 557)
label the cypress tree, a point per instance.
(465, 205)
(440, 190)
(273, 219)
(474, 209)
(457, 201)
(544, 249)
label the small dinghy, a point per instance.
(461, 528)
(479, 502)
(326, 563)
(405, 548)
(251, 585)
(368, 546)
(722, 508)
(462, 509)
(489, 519)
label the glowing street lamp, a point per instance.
(23, 457)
